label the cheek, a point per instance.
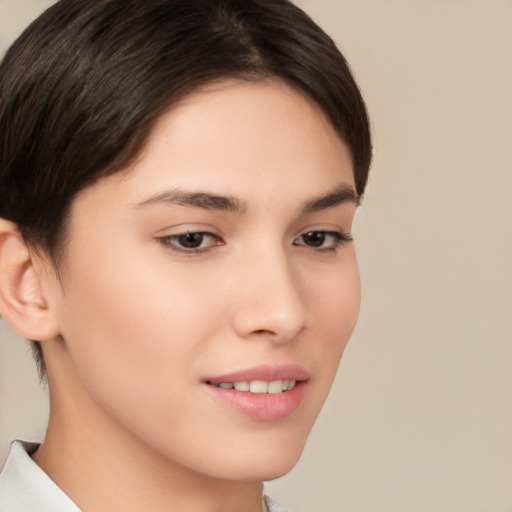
(127, 323)
(335, 299)
(336, 310)
(133, 334)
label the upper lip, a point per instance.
(263, 372)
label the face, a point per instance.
(208, 292)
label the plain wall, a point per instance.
(420, 416)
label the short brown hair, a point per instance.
(83, 86)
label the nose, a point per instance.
(269, 302)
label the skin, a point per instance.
(142, 322)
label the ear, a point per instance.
(23, 302)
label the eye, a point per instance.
(328, 240)
(191, 241)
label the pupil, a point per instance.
(314, 238)
(191, 240)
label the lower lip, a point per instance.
(262, 406)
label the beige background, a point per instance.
(420, 418)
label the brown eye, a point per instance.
(314, 238)
(325, 240)
(194, 242)
(190, 240)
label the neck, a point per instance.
(103, 467)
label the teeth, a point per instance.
(242, 386)
(259, 386)
(276, 386)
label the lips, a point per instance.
(264, 393)
(266, 373)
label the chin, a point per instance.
(266, 465)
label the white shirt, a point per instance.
(25, 487)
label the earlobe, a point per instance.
(23, 301)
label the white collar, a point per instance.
(25, 487)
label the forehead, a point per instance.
(234, 122)
(241, 139)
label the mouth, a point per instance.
(273, 387)
(264, 393)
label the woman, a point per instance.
(178, 182)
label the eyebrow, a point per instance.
(208, 201)
(202, 200)
(340, 195)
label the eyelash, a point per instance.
(171, 241)
(338, 238)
